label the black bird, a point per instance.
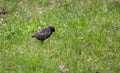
(44, 33)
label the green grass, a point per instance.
(87, 37)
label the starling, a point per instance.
(44, 33)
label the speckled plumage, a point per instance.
(44, 33)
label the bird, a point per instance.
(44, 33)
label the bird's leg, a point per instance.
(41, 42)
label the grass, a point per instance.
(87, 37)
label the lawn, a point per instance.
(86, 40)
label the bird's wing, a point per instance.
(45, 32)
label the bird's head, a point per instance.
(52, 28)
